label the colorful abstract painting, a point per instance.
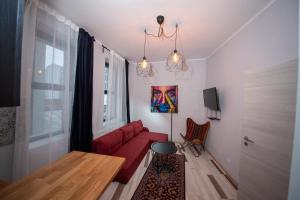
(164, 99)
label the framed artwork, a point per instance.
(164, 99)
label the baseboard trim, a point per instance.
(218, 168)
(222, 170)
(231, 181)
(118, 191)
(147, 160)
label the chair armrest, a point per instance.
(145, 129)
(181, 135)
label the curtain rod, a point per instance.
(103, 46)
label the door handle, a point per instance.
(248, 140)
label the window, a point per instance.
(53, 76)
(48, 90)
(114, 92)
(106, 74)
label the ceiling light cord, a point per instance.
(161, 33)
(145, 43)
(176, 31)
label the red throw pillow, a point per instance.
(138, 127)
(127, 133)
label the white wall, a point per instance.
(39, 152)
(294, 193)
(6, 161)
(190, 99)
(268, 40)
(45, 151)
(7, 132)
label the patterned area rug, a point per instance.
(165, 185)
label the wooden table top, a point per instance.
(77, 175)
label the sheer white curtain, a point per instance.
(116, 109)
(47, 81)
(98, 88)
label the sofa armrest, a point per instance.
(145, 129)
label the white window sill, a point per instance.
(107, 128)
(46, 141)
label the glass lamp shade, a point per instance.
(185, 67)
(144, 68)
(176, 62)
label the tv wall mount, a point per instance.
(213, 114)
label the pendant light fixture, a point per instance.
(144, 68)
(175, 61)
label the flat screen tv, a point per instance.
(211, 99)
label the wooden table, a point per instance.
(77, 175)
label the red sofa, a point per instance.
(131, 141)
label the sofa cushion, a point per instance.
(138, 127)
(128, 133)
(153, 137)
(134, 152)
(109, 143)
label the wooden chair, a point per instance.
(195, 135)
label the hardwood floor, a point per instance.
(3, 184)
(201, 178)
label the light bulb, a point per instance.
(175, 57)
(144, 64)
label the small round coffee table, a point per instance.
(162, 150)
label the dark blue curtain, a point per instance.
(81, 129)
(127, 91)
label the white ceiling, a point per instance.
(203, 24)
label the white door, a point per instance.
(267, 133)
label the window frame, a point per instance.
(46, 87)
(105, 93)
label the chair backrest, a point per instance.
(190, 129)
(196, 131)
(204, 131)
